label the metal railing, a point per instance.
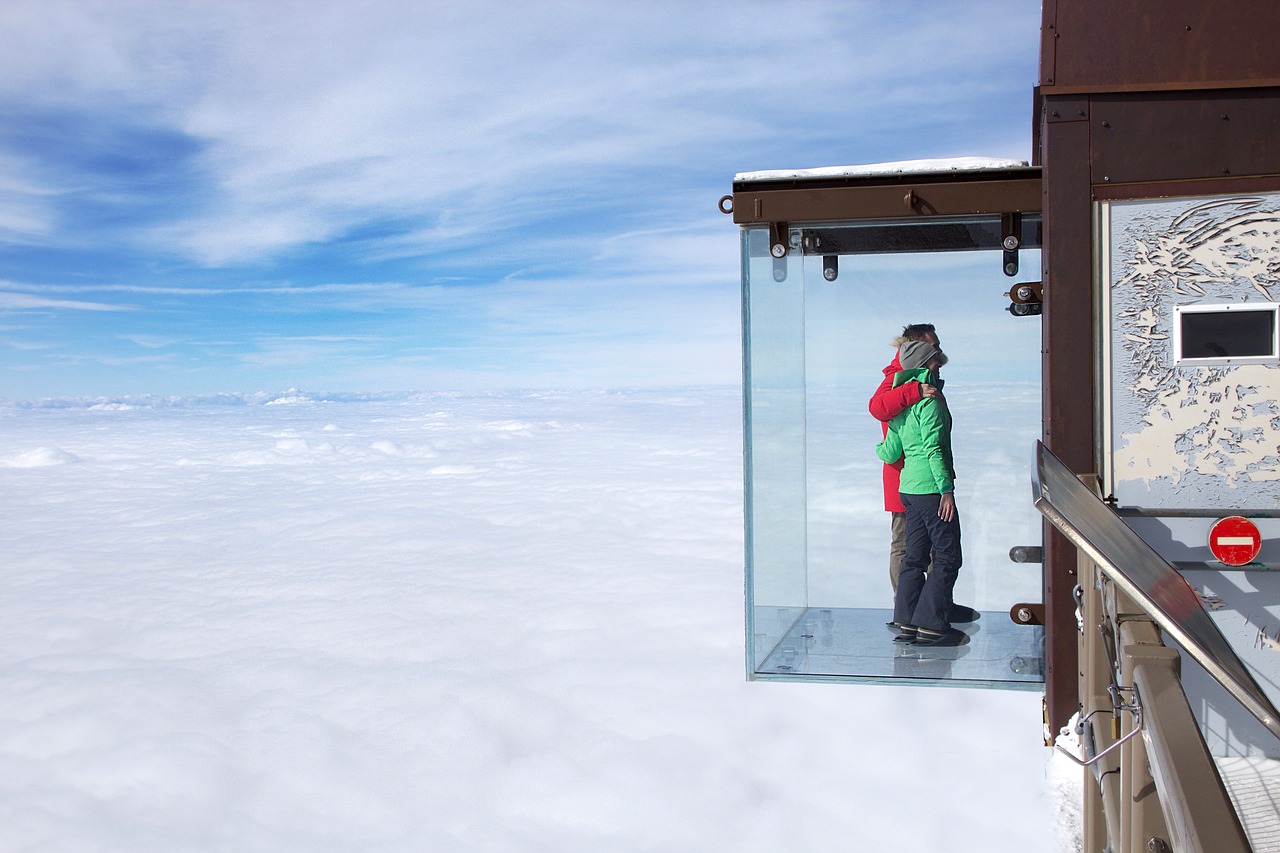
(1159, 791)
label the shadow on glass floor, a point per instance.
(854, 644)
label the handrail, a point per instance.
(1146, 577)
(1188, 807)
(1197, 809)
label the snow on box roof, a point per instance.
(948, 164)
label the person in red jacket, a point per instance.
(884, 405)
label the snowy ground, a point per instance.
(444, 622)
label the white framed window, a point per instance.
(1227, 333)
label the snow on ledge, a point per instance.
(948, 164)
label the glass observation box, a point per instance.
(835, 263)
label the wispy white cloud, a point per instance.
(29, 302)
(150, 341)
(208, 292)
(25, 210)
(517, 193)
(314, 123)
(135, 361)
(31, 346)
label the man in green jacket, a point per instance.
(921, 437)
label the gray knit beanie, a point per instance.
(913, 354)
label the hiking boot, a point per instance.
(949, 637)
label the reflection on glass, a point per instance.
(818, 536)
(776, 550)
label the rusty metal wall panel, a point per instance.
(753, 205)
(1133, 145)
(1138, 100)
(1184, 135)
(1172, 189)
(1174, 44)
(1068, 370)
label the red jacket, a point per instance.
(884, 405)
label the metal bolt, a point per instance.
(1158, 845)
(1024, 614)
(830, 267)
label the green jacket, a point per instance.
(921, 437)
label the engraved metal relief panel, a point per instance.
(1190, 290)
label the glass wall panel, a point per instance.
(819, 331)
(774, 368)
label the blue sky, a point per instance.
(199, 197)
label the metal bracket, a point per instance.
(1027, 614)
(778, 239)
(1088, 762)
(1026, 299)
(1010, 240)
(1026, 292)
(1027, 553)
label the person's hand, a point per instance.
(947, 507)
(931, 392)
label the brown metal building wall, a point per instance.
(1138, 100)
(1094, 46)
(1068, 348)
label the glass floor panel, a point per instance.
(853, 644)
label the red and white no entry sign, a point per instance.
(1235, 540)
